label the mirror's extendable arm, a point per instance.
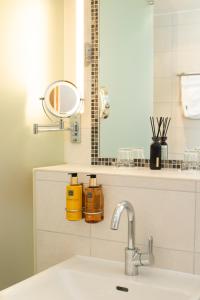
(50, 127)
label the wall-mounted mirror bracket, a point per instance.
(60, 126)
(75, 128)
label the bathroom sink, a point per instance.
(85, 278)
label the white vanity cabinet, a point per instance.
(166, 203)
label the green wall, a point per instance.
(31, 57)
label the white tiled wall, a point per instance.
(165, 208)
(177, 45)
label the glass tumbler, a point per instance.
(124, 157)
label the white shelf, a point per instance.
(135, 172)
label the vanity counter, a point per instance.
(123, 171)
(161, 199)
(165, 179)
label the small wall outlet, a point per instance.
(75, 125)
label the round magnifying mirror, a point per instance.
(62, 99)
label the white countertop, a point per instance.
(136, 172)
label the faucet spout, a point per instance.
(125, 205)
(134, 258)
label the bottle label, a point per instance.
(157, 162)
(70, 193)
(89, 195)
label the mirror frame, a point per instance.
(47, 94)
(96, 159)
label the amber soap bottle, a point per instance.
(94, 201)
(74, 199)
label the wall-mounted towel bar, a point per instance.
(187, 74)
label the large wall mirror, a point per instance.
(140, 52)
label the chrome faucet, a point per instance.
(133, 257)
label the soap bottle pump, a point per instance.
(74, 193)
(94, 201)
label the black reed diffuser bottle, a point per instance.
(155, 149)
(155, 154)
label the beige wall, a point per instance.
(31, 57)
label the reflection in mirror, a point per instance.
(104, 103)
(176, 50)
(190, 95)
(126, 70)
(130, 64)
(62, 99)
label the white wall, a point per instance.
(78, 153)
(177, 45)
(31, 57)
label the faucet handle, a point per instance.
(150, 245)
(150, 251)
(147, 258)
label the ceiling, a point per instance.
(166, 6)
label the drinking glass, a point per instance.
(124, 157)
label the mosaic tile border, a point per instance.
(95, 126)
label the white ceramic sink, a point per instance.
(85, 278)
